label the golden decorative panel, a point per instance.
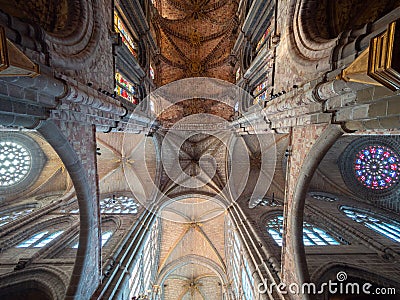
(384, 57)
(379, 64)
(13, 62)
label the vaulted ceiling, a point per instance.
(195, 38)
(192, 244)
(127, 164)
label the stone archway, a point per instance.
(45, 283)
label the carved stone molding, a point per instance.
(308, 47)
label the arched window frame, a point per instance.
(313, 235)
(24, 234)
(13, 213)
(378, 223)
(40, 239)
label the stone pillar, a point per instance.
(75, 144)
(308, 146)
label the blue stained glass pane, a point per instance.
(105, 237)
(48, 239)
(32, 240)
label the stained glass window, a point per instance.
(8, 217)
(145, 268)
(40, 239)
(388, 228)
(237, 76)
(275, 229)
(15, 163)
(125, 35)
(312, 235)
(377, 167)
(125, 89)
(264, 37)
(152, 75)
(269, 202)
(236, 106)
(264, 96)
(238, 266)
(236, 259)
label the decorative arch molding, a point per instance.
(115, 220)
(72, 29)
(31, 204)
(74, 47)
(304, 41)
(329, 272)
(34, 229)
(191, 259)
(49, 280)
(275, 211)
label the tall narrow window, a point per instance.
(105, 236)
(312, 235)
(40, 239)
(152, 74)
(388, 228)
(127, 39)
(7, 217)
(247, 281)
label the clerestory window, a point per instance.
(8, 217)
(312, 235)
(40, 239)
(388, 228)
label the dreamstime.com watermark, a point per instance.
(341, 287)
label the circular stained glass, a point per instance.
(15, 163)
(377, 167)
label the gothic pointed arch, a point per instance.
(44, 283)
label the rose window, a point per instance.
(377, 167)
(15, 163)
